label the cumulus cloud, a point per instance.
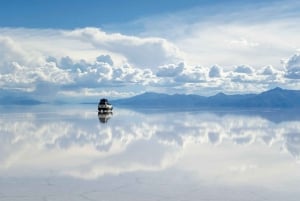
(9, 51)
(94, 77)
(268, 70)
(25, 78)
(215, 71)
(90, 61)
(193, 75)
(244, 69)
(51, 75)
(141, 52)
(293, 67)
(170, 70)
(12, 51)
(29, 66)
(105, 59)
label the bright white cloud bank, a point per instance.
(88, 63)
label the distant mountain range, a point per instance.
(17, 100)
(274, 98)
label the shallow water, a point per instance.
(58, 153)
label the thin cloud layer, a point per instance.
(252, 33)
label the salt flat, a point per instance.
(58, 153)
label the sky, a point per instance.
(83, 50)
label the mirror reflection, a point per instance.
(104, 116)
(227, 147)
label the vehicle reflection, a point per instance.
(104, 116)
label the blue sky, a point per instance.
(80, 13)
(69, 14)
(86, 49)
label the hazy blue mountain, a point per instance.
(8, 100)
(161, 100)
(15, 97)
(274, 98)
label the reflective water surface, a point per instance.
(64, 153)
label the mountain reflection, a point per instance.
(131, 141)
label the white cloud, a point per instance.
(9, 51)
(141, 52)
(242, 43)
(215, 71)
(37, 60)
(170, 70)
(89, 62)
(293, 67)
(105, 59)
(268, 70)
(244, 69)
(193, 75)
(257, 34)
(13, 51)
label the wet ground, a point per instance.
(58, 153)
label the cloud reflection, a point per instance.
(73, 142)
